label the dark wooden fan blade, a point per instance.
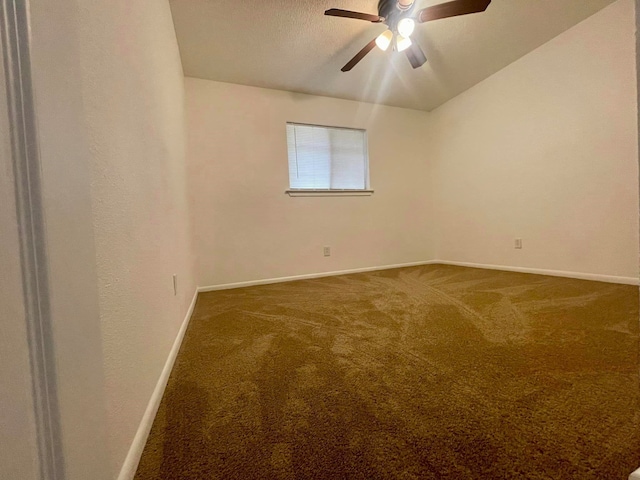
(359, 56)
(452, 9)
(336, 12)
(415, 55)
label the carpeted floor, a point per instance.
(433, 372)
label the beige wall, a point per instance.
(18, 448)
(133, 95)
(66, 185)
(110, 107)
(546, 150)
(246, 228)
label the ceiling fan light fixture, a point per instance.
(406, 26)
(384, 40)
(400, 19)
(402, 43)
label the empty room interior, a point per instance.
(319, 239)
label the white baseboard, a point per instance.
(553, 273)
(267, 281)
(130, 465)
(537, 271)
(635, 475)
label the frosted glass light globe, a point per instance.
(406, 26)
(384, 40)
(402, 43)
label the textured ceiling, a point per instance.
(291, 45)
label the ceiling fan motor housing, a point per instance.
(393, 11)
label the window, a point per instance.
(327, 160)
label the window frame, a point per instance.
(335, 192)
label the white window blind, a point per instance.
(326, 158)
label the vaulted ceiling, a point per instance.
(290, 45)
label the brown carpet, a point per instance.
(432, 372)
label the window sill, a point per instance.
(329, 193)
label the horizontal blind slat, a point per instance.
(326, 158)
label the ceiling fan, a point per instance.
(401, 19)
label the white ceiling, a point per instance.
(291, 45)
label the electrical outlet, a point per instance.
(327, 251)
(518, 243)
(175, 284)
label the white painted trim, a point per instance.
(266, 281)
(329, 193)
(15, 50)
(130, 465)
(536, 271)
(553, 273)
(635, 475)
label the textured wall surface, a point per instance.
(66, 185)
(546, 150)
(18, 452)
(110, 97)
(133, 95)
(246, 228)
